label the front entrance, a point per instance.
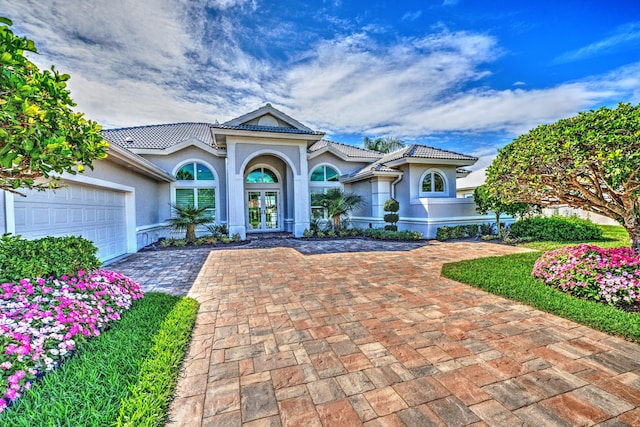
(263, 213)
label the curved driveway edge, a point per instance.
(379, 338)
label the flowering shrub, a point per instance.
(606, 275)
(42, 321)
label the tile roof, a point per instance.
(279, 129)
(347, 150)
(411, 151)
(425, 152)
(159, 136)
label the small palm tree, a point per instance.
(339, 203)
(188, 218)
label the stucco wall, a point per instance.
(169, 163)
(146, 189)
(245, 150)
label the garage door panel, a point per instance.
(94, 213)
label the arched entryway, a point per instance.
(264, 199)
(268, 194)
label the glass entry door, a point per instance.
(262, 210)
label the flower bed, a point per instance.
(42, 321)
(609, 275)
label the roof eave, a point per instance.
(430, 161)
(313, 137)
(341, 155)
(370, 174)
(180, 146)
(128, 159)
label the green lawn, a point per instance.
(126, 376)
(510, 276)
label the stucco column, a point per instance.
(235, 194)
(380, 193)
(301, 189)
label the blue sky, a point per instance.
(465, 75)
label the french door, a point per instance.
(263, 212)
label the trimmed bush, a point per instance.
(392, 206)
(556, 228)
(380, 234)
(457, 232)
(46, 257)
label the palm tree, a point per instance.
(339, 203)
(383, 145)
(188, 218)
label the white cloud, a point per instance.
(625, 37)
(412, 16)
(167, 60)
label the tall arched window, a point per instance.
(322, 178)
(196, 186)
(433, 183)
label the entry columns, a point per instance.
(235, 194)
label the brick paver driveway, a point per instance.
(379, 338)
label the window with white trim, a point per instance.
(322, 178)
(196, 186)
(433, 183)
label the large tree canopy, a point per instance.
(590, 161)
(40, 135)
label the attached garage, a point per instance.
(95, 213)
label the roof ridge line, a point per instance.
(156, 125)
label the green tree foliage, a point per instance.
(590, 161)
(487, 202)
(338, 204)
(383, 145)
(40, 135)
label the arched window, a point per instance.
(433, 183)
(322, 178)
(196, 186)
(262, 176)
(324, 174)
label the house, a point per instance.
(256, 173)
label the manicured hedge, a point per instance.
(48, 256)
(556, 228)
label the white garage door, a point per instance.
(95, 213)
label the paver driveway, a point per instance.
(379, 338)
